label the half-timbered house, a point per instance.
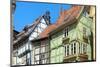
(22, 46)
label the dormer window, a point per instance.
(84, 32)
(66, 30)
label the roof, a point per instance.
(23, 35)
(71, 17)
(15, 31)
(65, 17)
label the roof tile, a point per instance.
(65, 15)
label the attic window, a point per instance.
(66, 30)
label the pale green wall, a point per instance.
(56, 55)
(86, 22)
(75, 32)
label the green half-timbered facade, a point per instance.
(69, 39)
(72, 42)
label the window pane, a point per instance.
(43, 61)
(27, 46)
(36, 62)
(66, 32)
(84, 48)
(24, 48)
(28, 55)
(37, 50)
(67, 49)
(42, 56)
(79, 48)
(74, 48)
(30, 47)
(42, 49)
(36, 57)
(19, 51)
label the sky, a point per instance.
(27, 12)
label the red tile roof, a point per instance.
(65, 15)
(47, 30)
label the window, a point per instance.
(37, 50)
(42, 49)
(27, 46)
(74, 48)
(21, 50)
(85, 13)
(28, 59)
(84, 32)
(30, 46)
(42, 59)
(84, 48)
(41, 55)
(79, 48)
(65, 51)
(36, 57)
(66, 32)
(68, 50)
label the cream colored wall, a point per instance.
(32, 59)
(93, 14)
(13, 60)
